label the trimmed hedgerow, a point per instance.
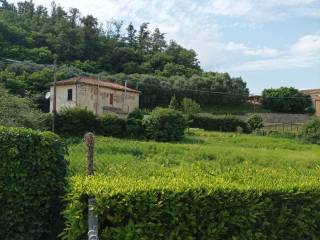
(32, 183)
(224, 123)
(192, 209)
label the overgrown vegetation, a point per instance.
(20, 112)
(212, 186)
(310, 132)
(32, 184)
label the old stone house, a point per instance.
(98, 96)
(315, 96)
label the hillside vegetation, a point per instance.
(139, 55)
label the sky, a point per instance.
(269, 43)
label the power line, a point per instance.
(176, 89)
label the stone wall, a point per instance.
(281, 117)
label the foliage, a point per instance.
(287, 100)
(111, 125)
(136, 114)
(31, 33)
(310, 132)
(135, 128)
(255, 122)
(158, 68)
(174, 103)
(74, 121)
(212, 186)
(165, 124)
(19, 112)
(32, 183)
(224, 123)
(189, 107)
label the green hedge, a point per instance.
(32, 183)
(224, 123)
(71, 122)
(111, 125)
(146, 211)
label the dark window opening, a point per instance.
(111, 99)
(69, 94)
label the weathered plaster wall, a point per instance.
(62, 97)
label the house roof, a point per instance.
(95, 82)
(311, 91)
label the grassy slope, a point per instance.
(204, 159)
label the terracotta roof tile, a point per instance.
(95, 82)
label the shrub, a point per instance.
(310, 132)
(136, 114)
(111, 125)
(164, 124)
(133, 209)
(135, 128)
(255, 122)
(288, 100)
(32, 182)
(19, 112)
(75, 122)
(224, 123)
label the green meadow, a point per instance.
(204, 158)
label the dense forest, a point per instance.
(33, 36)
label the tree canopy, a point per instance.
(139, 55)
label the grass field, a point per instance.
(204, 158)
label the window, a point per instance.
(69, 94)
(111, 99)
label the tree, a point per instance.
(174, 104)
(284, 99)
(158, 41)
(144, 40)
(131, 38)
(189, 107)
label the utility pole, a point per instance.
(125, 95)
(54, 100)
(92, 216)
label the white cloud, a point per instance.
(261, 10)
(302, 54)
(245, 50)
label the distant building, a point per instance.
(95, 95)
(315, 95)
(255, 99)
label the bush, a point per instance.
(164, 124)
(32, 182)
(20, 112)
(136, 114)
(111, 125)
(133, 209)
(255, 122)
(224, 123)
(135, 128)
(287, 100)
(310, 132)
(72, 122)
